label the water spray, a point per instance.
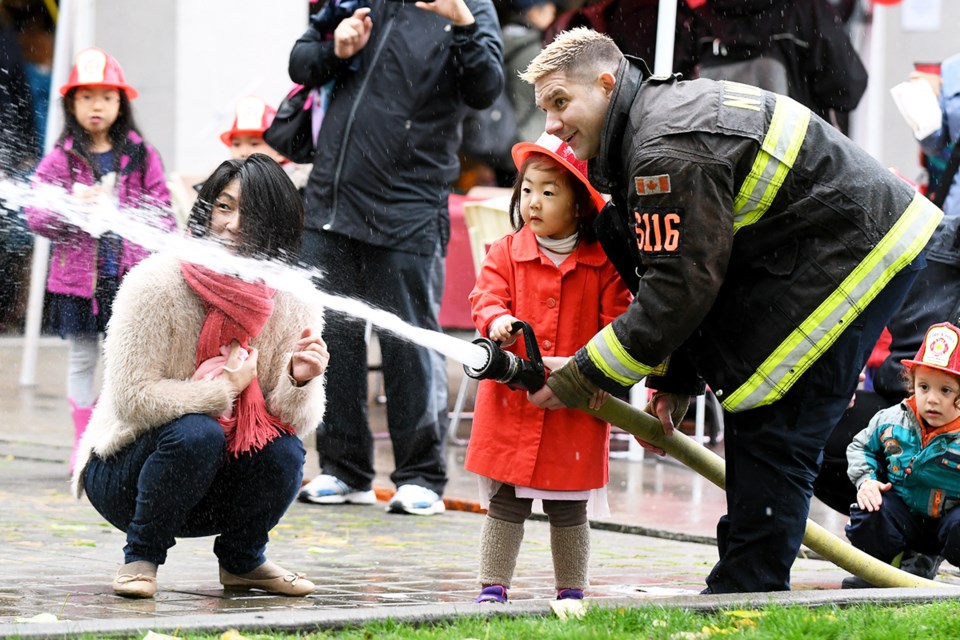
(137, 225)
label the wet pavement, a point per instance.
(57, 556)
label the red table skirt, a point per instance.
(455, 307)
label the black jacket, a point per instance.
(387, 149)
(823, 70)
(758, 232)
(934, 297)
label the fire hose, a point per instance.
(529, 374)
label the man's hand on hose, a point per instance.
(669, 408)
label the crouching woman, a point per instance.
(210, 384)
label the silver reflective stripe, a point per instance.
(612, 360)
(820, 330)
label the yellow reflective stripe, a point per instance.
(776, 157)
(612, 360)
(820, 330)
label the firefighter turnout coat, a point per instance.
(751, 232)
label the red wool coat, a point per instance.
(512, 440)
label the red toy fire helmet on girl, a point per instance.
(551, 145)
(251, 117)
(939, 350)
(96, 68)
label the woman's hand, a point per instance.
(310, 358)
(241, 366)
(352, 34)
(870, 494)
(501, 330)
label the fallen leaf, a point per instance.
(40, 618)
(159, 636)
(568, 609)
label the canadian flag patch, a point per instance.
(649, 185)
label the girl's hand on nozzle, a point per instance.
(241, 366)
(870, 494)
(501, 330)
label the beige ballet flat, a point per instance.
(289, 584)
(135, 585)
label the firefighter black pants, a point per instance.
(773, 455)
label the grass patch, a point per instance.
(937, 621)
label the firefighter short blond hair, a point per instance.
(579, 52)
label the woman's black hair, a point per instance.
(583, 201)
(118, 132)
(271, 209)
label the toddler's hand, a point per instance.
(870, 494)
(501, 330)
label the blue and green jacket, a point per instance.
(891, 449)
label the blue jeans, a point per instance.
(177, 481)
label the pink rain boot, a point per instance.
(81, 416)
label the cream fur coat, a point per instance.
(149, 359)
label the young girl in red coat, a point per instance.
(553, 275)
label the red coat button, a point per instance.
(547, 344)
(551, 303)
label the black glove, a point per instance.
(570, 385)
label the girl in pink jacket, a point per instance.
(100, 154)
(552, 274)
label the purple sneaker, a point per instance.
(493, 593)
(570, 594)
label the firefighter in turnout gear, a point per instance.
(766, 252)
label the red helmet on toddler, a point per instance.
(939, 350)
(97, 68)
(557, 149)
(251, 117)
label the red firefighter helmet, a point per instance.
(940, 350)
(551, 145)
(251, 117)
(97, 68)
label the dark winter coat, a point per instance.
(758, 232)
(387, 149)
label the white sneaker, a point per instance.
(416, 500)
(327, 489)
